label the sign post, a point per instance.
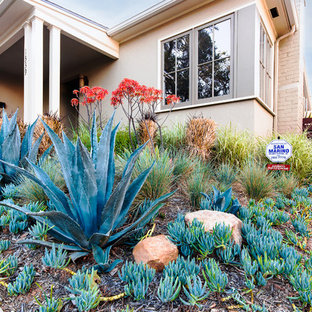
(278, 151)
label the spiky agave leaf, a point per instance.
(93, 210)
(12, 150)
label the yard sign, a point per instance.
(278, 151)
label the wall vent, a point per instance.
(274, 12)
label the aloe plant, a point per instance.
(12, 150)
(91, 217)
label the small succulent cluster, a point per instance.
(190, 238)
(55, 258)
(4, 245)
(184, 274)
(182, 268)
(215, 278)
(85, 292)
(23, 281)
(267, 255)
(220, 201)
(39, 230)
(263, 213)
(137, 278)
(8, 266)
(194, 238)
(9, 191)
(15, 220)
(50, 304)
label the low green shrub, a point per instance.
(122, 141)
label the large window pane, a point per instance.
(222, 39)
(183, 52)
(205, 45)
(222, 77)
(169, 56)
(262, 40)
(268, 57)
(205, 81)
(265, 63)
(183, 85)
(170, 84)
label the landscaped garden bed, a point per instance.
(70, 217)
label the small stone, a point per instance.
(156, 251)
(210, 218)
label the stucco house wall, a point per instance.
(140, 59)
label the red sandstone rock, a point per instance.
(156, 251)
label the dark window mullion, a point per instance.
(206, 63)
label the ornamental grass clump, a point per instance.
(161, 178)
(200, 136)
(225, 175)
(198, 182)
(174, 137)
(28, 190)
(93, 217)
(256, 181)
(286, 183)
(234, 146)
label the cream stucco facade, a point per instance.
(133, 49)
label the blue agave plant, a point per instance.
(12, 150)
(90, 218)
(220, 201)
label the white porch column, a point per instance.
(37, 68)
(54, 70)
(27, 72)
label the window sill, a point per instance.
(224, 101)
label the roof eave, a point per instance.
(143, 16)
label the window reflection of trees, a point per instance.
(176, 67)
(214, 60)
(213, 64)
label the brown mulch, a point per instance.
(273, 295)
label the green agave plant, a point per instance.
(90, 219)
(12, 150)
